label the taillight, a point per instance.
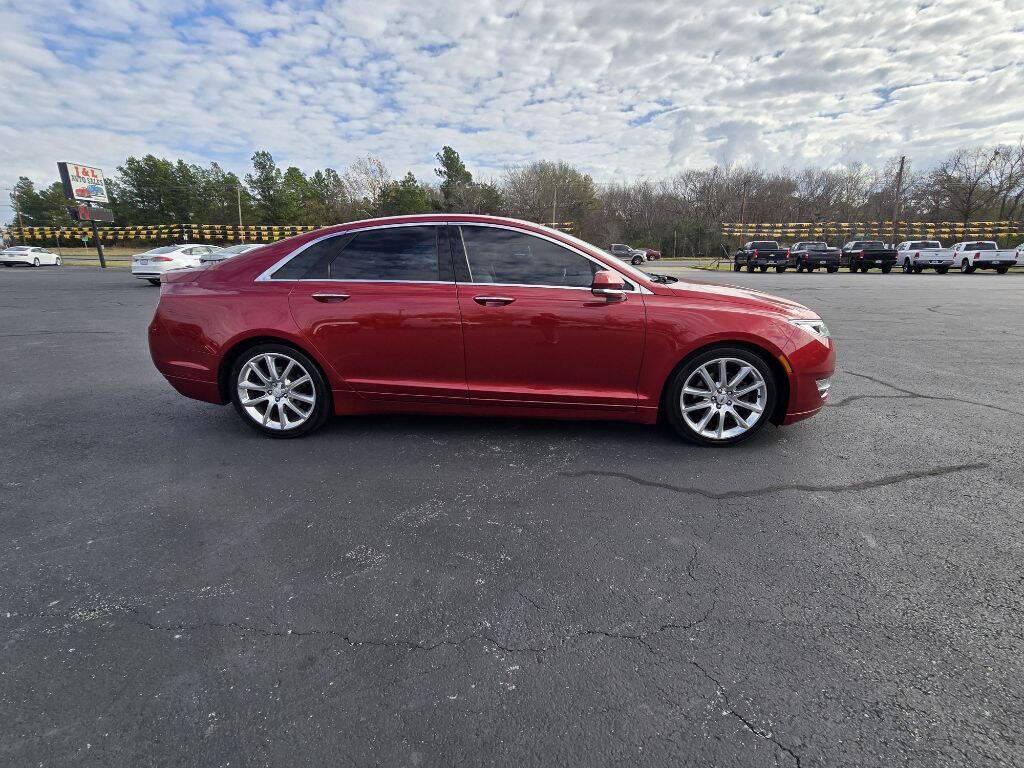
(162, 258)
(977, 255)
(860, 255)
(787, 253)
(755, 252)
(916, 254)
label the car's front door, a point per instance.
(381, 306)
(534, 332)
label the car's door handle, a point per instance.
(328, 298)
(493, 301)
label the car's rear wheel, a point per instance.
(832, 270)
(1002, 270)
(721, 396)
(780, 269)
(58, 262)
(153, 280)
(918, 270)
(736, 267)
(887, 269)
(942, 270)
(35, 262)
(279, 391)
(966, 268)
(907, 269)
(763, 269)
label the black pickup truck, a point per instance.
(761, 254)
(812, 256)
(862, 255)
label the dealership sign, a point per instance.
(82, 182)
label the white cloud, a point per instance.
(620, 88)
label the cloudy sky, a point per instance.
(627, 88)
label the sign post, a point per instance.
(85, 184)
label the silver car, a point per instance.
(226, 253)
(153, 263)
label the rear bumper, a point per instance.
(207, 391)
(931, 263)
(994, 264)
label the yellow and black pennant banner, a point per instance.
(187, 232)
(880, 229)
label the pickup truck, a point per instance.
(626, 253)
(761, 254)
(984, 254)
(812, 256)
(918, 255)
(862, 255)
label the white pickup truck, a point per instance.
(984, 254)
(918, 255)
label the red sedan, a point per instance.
(461, 314)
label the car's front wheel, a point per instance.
(637, 261)
(279, 391)
(721, 396)
(736, 267)
(58, 262)
(35, 262)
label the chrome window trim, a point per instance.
(265, 276)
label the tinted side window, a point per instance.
(397, 253)
(504, 256)
(312, 262)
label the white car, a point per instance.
(29, 255)
(984, 254)
(151, 264)
(918, 255)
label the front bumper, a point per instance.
(810, 361)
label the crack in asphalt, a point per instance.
(729, 710)
(862, 485)
(411, 645)
(909, 393)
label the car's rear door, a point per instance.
(381, 305)
(534, 332)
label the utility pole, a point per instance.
(896, 203)
(554, 202)
(99, 245)
(241, 230)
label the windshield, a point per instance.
(768, 245)
(985, 246)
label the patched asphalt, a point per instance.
(398, 590)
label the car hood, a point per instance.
(765, 301)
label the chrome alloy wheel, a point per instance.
(723, 398)
(276, 391)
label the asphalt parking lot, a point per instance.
(177, 590)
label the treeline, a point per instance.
(680, 215)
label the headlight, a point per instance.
(813, 327)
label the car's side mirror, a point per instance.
(608, 284)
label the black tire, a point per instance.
(1002, 270)
(750, 267)
(637, 261)
(832, 270)
(853, 267)
(321, 409)
(59, 262)
(918, 270)
(966, 268)
(7, 265)
(153, 280)
(941, 270)
(736, 267)
(672, 405)
(799, 268)
(907, 267)
(780, 269)
(35, 262)
(764, 268)
(886, 269)
(810, 268)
